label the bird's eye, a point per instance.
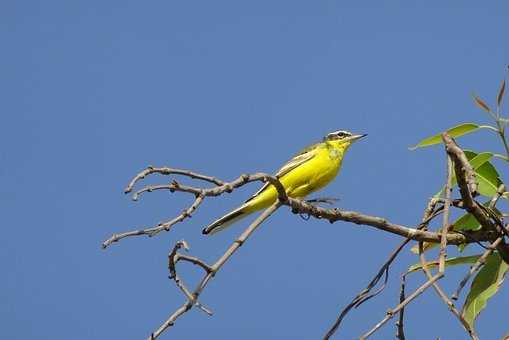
(341, 134)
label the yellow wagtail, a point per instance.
(310, 170)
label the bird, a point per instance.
(310, 170)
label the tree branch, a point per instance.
(210, 271)
(464, 173)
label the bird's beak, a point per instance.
(356, 137)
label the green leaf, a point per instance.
(425, 246)
(466, 222)
(453, 261)
(469, 222)
(486, 175)
(456, 131)
(484, 286)
(476, 160)
(488, 179)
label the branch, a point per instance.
(442, 256)
(464, 173)
(429, 213)
(210, 271)
(399, 307)
(400, 330)
(199, 193)
(170, 171)
(187, 213)
(366, 294)
(333, 215)
(471, 332)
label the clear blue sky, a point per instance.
(94, 91)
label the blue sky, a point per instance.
(95, 91)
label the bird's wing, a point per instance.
(302, 157)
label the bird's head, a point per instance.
(342, 138)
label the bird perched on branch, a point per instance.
(310, 170)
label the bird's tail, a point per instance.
(226, 220)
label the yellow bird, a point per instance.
(310, 170)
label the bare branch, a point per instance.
(442, 256)
(400, 306)
(366, 294)
(429, 213)
(200, 194)
(400, 330)
(333, 215)
(445, 221)
(210, 271)
(170, 171)
(187, 213)
(424, 264)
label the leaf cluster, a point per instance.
(488, 280)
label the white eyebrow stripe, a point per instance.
(340, 131)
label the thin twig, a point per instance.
(428, 215)
(445, 220)
(442, 256)
(366, 294)
(199, 193)
(187, 213)
(395, 310)
(192, 297)
(400, 327)
(170, 171)
(424, 264)
(431, 279)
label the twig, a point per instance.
(428, 213)
(170, 171)
(400, 328)
(445, 220)
(432, 280)
(395, 310)
(200, 194)
(365, 294)
(443, 295)
(442, 256)
(187, 213)
(210, 271)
